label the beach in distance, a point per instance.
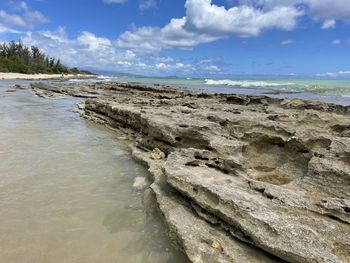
(12, 76)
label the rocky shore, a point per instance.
(237, 178)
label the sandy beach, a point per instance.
(42, 76)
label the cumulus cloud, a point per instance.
(205, 22)
(90, 42)
(327, 24)
(94, 52)
(11, 19)
(287, 42)
(4, 29)
(339, 74)
(327, 11)
(213, 68)
(86, 50)
(244, 21)
(115, 1)
(22, 5)
(146, 4)
(34, 18)
(91, 51)
(28, 19)
(154, 39)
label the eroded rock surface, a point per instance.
(237, 178)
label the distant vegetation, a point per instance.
(15, 57)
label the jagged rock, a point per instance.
(292, 234)
(202, 242)
(237, 178)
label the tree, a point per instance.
(15, 57)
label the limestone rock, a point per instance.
(237, 178)
(157, 154)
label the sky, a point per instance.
(218, 38)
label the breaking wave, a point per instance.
(245, 83)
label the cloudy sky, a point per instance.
(187, 37)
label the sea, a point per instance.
(328, 90)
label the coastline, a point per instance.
(13, 76)
(238, 178)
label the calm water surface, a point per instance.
(66, 189)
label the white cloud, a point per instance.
(4, 29)
(143, 4)
(245, 21)
(206, 61)
(11, 20)
(154, 39)
(20, 5)
(94, 52)
(34, 18)
(146, 4)
(91, 51)
(27, 19)
(321, 10)
(129, 55)
(329, 9)
(162, 66)
(205, 22)
(287, 42)
(213, 68)
(87, 50)
(93, 43)
(115, 1)
(336, 42)
(172, 66)
(339, 74)
(327, 24)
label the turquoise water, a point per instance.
(335, 91)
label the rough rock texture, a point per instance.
(237, 178)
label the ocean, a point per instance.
(333, 91)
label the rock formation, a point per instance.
(237, 178)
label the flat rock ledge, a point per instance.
(237, 178)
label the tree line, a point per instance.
(15, 57)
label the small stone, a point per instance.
(157, 154)
(140, 183)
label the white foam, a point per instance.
(244, 83)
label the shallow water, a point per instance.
(66, 189)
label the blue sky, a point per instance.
(188, 37)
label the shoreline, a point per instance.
(237, 178)
(20, 76)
